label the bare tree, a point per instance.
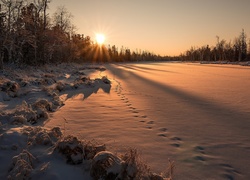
(240, 47)
(1, 37)
(42, 6)
(62, 18)
(243, 38)
(248, 51)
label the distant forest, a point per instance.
(238, 50)
(28, 35)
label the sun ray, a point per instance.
(100, 38)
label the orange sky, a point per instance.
(165, 27)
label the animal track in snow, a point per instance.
(229, 171)
(162, 134)
(200, 149)
(163, 129)
(127, 102)
(150, 122)
(176, 141)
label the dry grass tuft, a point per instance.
(170, 170)
(134, 166)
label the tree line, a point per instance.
(237, 50)
(28, 35)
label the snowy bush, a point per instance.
(48, 79)
(42, 104)
(48, 90)
(72, 149)
(26, 111)
(22, 166)
(82, 80)
(105, 165)
(41, 113)
(60, 86)
(11, 88)
(106, 80)
(39, 110)
(23, 83)
(44, 81)
(91, 149)
(41, 136)
(31, 131)
(76, 151)
(57, 101)
(18, 120)
(55, 133)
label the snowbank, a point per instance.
(29, 150)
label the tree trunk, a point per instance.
(1, 61)
(44, 15)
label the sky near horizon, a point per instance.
(165, 27)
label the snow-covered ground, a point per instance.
(199, 116)
(31, 147)
(195, 115)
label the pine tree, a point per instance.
(243, 45)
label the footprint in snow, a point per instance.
(229, 171)
(150, 122)
(162, 134)
(175, 144)
(176, 141)
(199, 149)
(163, 129)
(199, 158)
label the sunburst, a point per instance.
(100, 38)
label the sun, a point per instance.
(100, 38)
